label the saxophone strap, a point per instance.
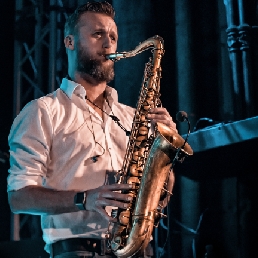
(113, 117)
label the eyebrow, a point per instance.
(101, 29)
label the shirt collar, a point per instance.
(70, 87)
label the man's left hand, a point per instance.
(161, 115)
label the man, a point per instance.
(65, 146)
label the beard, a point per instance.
(97, 69)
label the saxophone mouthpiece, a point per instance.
(115, 56)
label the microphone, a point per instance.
(182, 116)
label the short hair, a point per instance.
(97, 7)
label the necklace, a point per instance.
(113, 117)
(93, 105)
(95, 157)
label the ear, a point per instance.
(69, 42)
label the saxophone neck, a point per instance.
(155, 42)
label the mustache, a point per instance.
(99, 69)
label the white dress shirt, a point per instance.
(52, 142)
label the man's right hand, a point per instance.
(108, 195)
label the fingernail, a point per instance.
(129, 198)
(132, 186)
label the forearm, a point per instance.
(39, 201)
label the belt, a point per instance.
(80, 244)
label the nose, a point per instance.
(107, 42)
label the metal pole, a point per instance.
(235, 58)
(226, 106)
(15, 218)
(244, 39)
(188, 189)
(38, 74)
(52, 45)
(184, 63)
(17, 67)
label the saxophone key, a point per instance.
(133, 180)
(139, 139)
(120, 234)
(124, 217)
(143, 118)
(149, 101)
(143, 130)
(150, 93)
(135, 156)
(136, 170)
(141, 152)
(138, 154)
(146, 106)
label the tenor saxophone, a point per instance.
(148, 159)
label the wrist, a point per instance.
(80, 200)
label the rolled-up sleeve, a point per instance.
(29, 141)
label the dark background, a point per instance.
(220, 183)
(6, 106)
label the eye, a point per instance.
(113, 38)
(97, 34)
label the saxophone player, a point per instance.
(65, 146)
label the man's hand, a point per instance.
(161, 115)
(107, 195)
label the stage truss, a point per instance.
(39, 64)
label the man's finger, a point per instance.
(116, 196)
(158, 111)
(117, 187)
(104, 214)
(109, 202)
